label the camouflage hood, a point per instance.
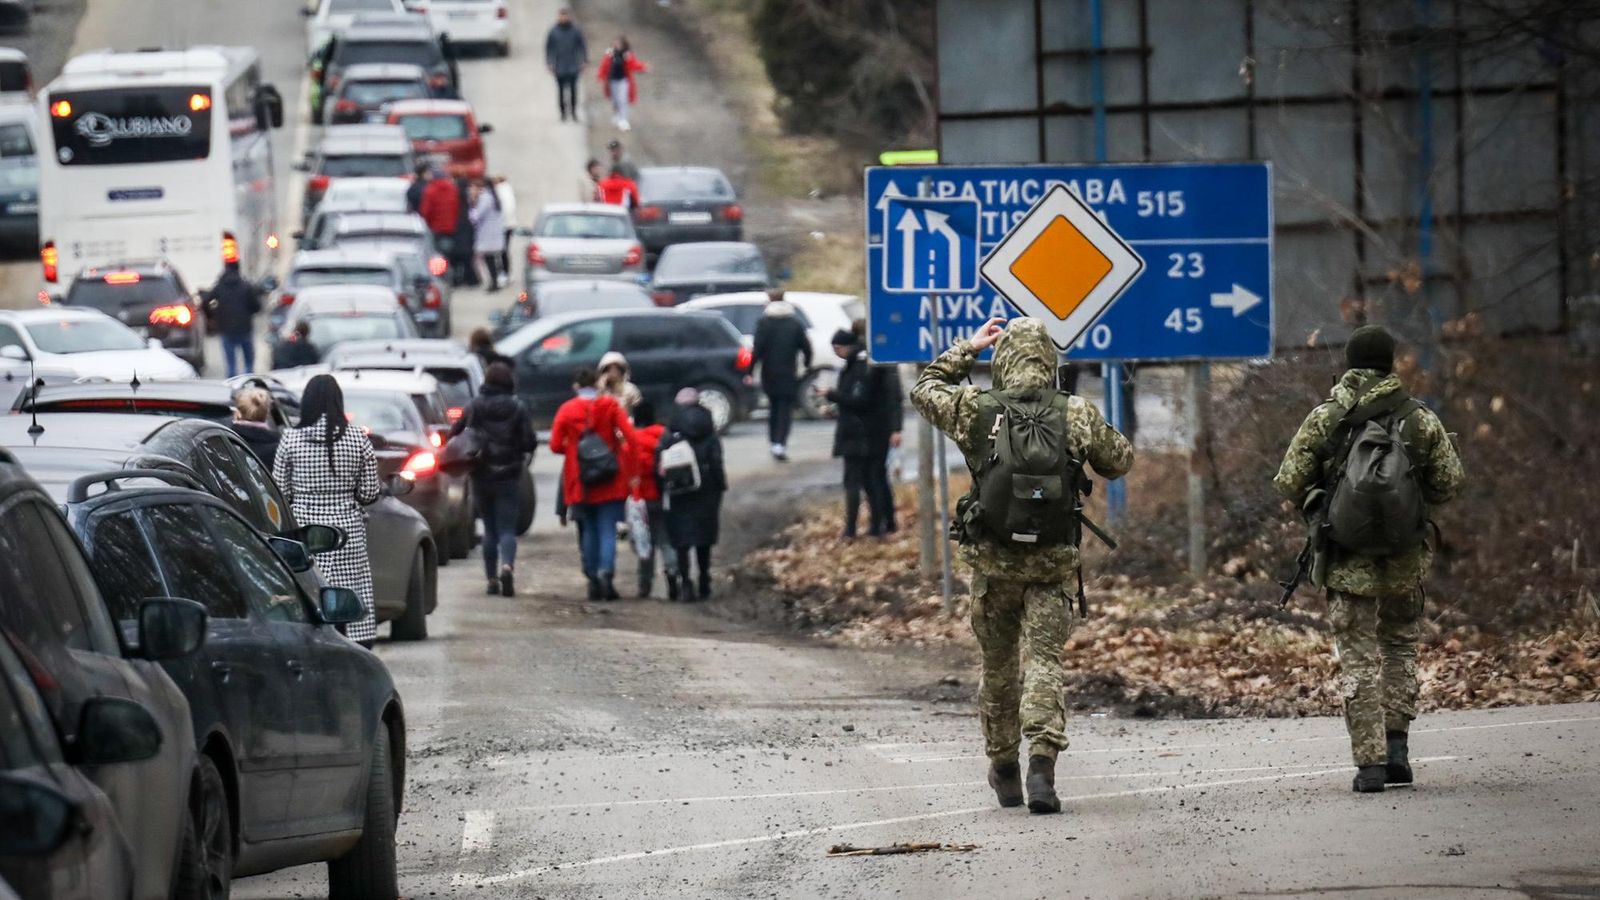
(1024, 357)
(1344, 392)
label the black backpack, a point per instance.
(1027, 485)
(1375, 504)
(597, 462)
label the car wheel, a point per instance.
(719, 401)
(412, 625)
(813, 406)
(504, 49)
(368, 871)
(525, 502)
(205, 869)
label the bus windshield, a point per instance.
(131, 125)
(83, 336)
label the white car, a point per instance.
(469, 21)
(821, 314)
(87, 342)
(333, 16)
(582, 240)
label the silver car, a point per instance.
(583, 240)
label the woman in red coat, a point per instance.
(644, 485)
(597, 506)
(616, 72)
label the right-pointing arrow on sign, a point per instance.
(1241, 300)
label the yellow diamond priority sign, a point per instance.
(1062, 265)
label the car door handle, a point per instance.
(295, 667)
(222, 670)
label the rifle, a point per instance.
(1313, 556)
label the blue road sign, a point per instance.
(1204, 231)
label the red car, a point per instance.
(443, 131)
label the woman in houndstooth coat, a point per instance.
(327, 471)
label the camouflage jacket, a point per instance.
(1436, 464)
(1023, 357)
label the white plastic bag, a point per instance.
(638, 517)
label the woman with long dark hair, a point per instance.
(327, 471)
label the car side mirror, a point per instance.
(307, 12)
(340, 606)
(35, 817)
(485, 128)
(523, 231)
(293, 553)
(170, 628)
(398, 485)
(14, 351)
(115, 730)
(303, 165)
(317, 538)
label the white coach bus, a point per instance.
(158, 155)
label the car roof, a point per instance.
(111, 432)
(397, 222)
(430, 107)
(403, 380)
(198, 389)
(342, 298)
(338, 139)
(383, 72)
(579, 285)
(712, 245)
(388, 26)
(142, 266)
(366, 185)
(546, 324)
(12, 54)
(713, 170)
(411, 351)
(354, 255)
(53, 313)
(736, 297)
(17, 111)
(608, 209)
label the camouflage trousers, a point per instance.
(1376, 642)
(1020, 695)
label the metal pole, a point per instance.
(946, 577)
(1116, 491)
(927, 559)
(1197, 383)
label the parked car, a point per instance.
(355, 151)
(582, 240)
(151, 298)
(353, 195)
(19, 171)
(325, 19)
(821, 314)
(16, 77)
(385, 38)
(193, 399)
(407, 277)
(367, 88)
(301, 733)
(400, 545)
(470, 22)
(552, 298)
(17, 377)
(85, 341)
(425, 273)
(59, 835)
(367, 227)
(667, 351)
(95, 672)
(443, 132)
(344, 312)
(678, 204)
(687, 271)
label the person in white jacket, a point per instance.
(489, 232)
(508, 214)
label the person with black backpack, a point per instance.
(1026, 444)
(690, 469)
(1365, 468)
(504, 440)
(592, 432)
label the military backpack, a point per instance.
(1375, 504)
(1027, 485)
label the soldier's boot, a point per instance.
(1398, 771)
(1006, 779)
(1042, 785)
(1369, 780)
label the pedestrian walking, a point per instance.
(614, 380)
(620, 160)
(507, 442)
(694, 501)
(298, 349)
(507, 196)
(1366, 467)
(780, 341)
(591, 432)
(481, 344)
(233, 303)
(589, 184)
(645, 486)
(616, 73)
(1026, 444)
(440, 208)
(488, 232)
(418, 185)
(463, 250)
(870, 411)
(327, 472)
(252, 421)
(618, 189)
(565, 54)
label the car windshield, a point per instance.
(83, 336)
(329, 330)
(392, 416)
(15, 141)
(689, 260)
(454, 385)
(356, 165)
(416, 53)
(658, 184)
(304, 278)
(375, 93)
(589, 226)
(350, 7)
(112, 296)
(565, 301)
(434, 128)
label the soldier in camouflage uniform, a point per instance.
(1375, 602)
(1019, 591)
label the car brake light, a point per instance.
(733, 213)
(230, 247)
(647, 213)
(346, 106)
(433, 299)
(400, 298)
(634, 256)
(663, 298)
(49, 258)
(317, 185)
(744, 360)
(178, 314)
(502, 13)
(285, 299)
(438, 266)
(438, 80)
(421, 463)
(436, 439)
(535, 255)
(122, 278)
(454, 413)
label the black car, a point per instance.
(365, 88)
(81, 660)
(687, 271)
(300, 732)
(402, 39)
(401, 547)
(667, 351)
(148, 296)
(678, 204)
(193, 399)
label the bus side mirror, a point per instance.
(269, 107)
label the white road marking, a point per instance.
(467, 879)
(477, 831)
(879, 749)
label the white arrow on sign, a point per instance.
(1241, 300)
(908, 228)
(889, 193)
(939, 223)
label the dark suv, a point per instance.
(148, 296)
(386, 39)
(667, 350)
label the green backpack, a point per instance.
(1027, 486)
(1375, 505)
